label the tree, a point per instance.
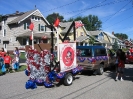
(91, 40)
(115, 46)
(0, 18)
(90, 22)
(52, 17)
(121, 36)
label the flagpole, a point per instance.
(57, 44)
(32, 40)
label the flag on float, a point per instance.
(56, 23)
(78, 24)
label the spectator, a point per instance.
(16, 55)
(15, 63)
(2, 54)
(7, 62)
(121, 64)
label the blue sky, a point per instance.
(116, 15)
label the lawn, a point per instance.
(22, 55)
(21, 68)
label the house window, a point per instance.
(4, 33)
(42, 28)
(33, 17)
(26, 25)
(82, 34)
(24, 41)
(100, 37)
(38, 27)
(38, 19)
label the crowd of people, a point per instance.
(9, 62)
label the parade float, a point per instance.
(44, 69)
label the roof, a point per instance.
(28, 34)
(81, 38)
(109, 34)
(65, 25)
(104, 41)
(94, 32)
(23, 16)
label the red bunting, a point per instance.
(78, 24)
(56, 23)
(31, 27)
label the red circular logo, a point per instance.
(68, 56)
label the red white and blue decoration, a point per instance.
(40, 71)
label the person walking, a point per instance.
(7, 62)
(121, 64)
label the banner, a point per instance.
(67, 56)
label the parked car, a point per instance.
(95, 58)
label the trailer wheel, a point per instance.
(68, 79)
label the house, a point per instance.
(112, 40)
(100, 37)
(81, 33)
(15, 32)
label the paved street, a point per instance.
(12, 86)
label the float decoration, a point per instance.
(39, 69)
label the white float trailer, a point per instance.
(65, 68)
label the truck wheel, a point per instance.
(100, 70)
(68, 79)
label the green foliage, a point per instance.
(90, 22)
(0, 18)
(22, 55)
(52, 17)
(91, 40)
(115, 46)
(121, 36)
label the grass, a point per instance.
(21, 68)
(22, 55)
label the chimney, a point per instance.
(17, 12)
(113, 33)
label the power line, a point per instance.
(114, 2)
(118, 22)
(117, 12)
(121, 11)
(86, 10)
(62, 5)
